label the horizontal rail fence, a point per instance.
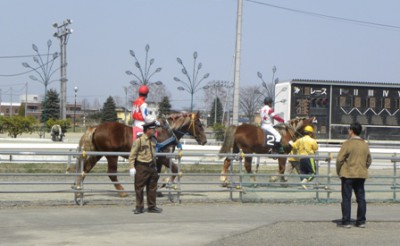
(254, 187)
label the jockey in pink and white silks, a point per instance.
(267, 115)
(140, 114)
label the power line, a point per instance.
(33, 69)
(367, 23)
(17, 74)
(22, 56)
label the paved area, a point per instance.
(229, 223)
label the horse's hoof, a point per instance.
(123, 194)
(224, 184)
(75, 187)
(273, 179)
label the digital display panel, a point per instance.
(367, 105)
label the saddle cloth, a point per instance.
(269, 139)
(137, 132)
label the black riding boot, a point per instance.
(278, 148)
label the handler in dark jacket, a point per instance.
(143, 167)
(352, 163)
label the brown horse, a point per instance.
(117, 137)
(250, 139)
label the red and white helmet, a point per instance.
(143, 90)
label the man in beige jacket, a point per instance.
(352, 163)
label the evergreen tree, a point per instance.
(109, 113)
(164, 107)
(219, 112)
(21, 110)
(51, 106)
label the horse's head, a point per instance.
(299, 123)
(189, 124)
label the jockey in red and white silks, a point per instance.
(140, 115)
(267, 114)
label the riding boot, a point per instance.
(278, 148)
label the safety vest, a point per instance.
(136, 113)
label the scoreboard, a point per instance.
(336, 104)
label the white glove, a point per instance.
(291, 142)
(157, 123)
(132, 172)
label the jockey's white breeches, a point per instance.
(272, 130)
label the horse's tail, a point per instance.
(86, 141)
(229, 139)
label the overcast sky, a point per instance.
(356, 40)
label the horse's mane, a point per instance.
(178, 115)
(178, 120)
(298, 122)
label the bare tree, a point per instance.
(213, 90)
(119, 101)
(250, 101)
(96, 104)
(85, 104)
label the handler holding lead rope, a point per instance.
(143, 162)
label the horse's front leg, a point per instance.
(247, 166)
(113, 168)
(281, 170)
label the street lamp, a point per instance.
(192, 83)
(44, 70)
(76, 93)
(270, 89)
(273, 73)
(144, 72)
(145, 75)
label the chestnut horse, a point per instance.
(250, 139)
(117, 137)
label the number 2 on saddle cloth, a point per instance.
(269, 139)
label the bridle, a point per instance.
(192, 132)
(294, 130)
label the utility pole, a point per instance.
(62, 33)
(11, 101)
(235, 118)
(26, 99)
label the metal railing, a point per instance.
(254, 187)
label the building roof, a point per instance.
(344, 83)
